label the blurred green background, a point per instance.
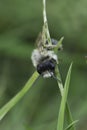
(20, 23)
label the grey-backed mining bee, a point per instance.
(43, 57)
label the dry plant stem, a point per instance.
(45, 26)
(44, 11)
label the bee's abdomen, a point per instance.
(46, 66)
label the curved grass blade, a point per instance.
(4, 110)
(71, 125)
(69, 116)
(68, 112)
(63, 101)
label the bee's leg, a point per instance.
(56, 78)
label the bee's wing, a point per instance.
(39, 40)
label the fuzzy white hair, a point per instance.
(37, 56)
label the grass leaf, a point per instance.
(69, 116)
(60, 85)
(4, 110)
(63, 101)
(71, 125)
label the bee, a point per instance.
(43, 57)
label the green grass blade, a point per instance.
(69, 117)
(71, 125)
(14, 100)
(63, 101)
(68, 112)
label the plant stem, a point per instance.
(59, 81)
(44, 11)
(45, 26)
